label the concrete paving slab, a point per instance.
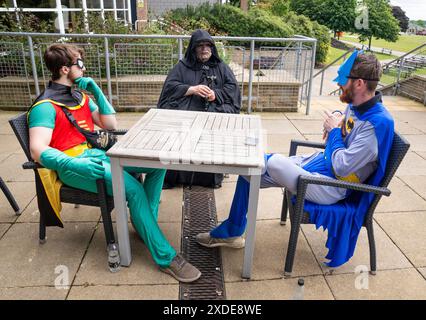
(9, 144)
(3, 228)
(407, 230)
(402, 198)
(301, 115)
(23, 192)
(405, 128)
(32, 264)
(388, 255)
(308, 126)
(409, 116)
(33, 293)
(422, 154)
(417, 183)
(11, 169)
(414, 164)
(124, 292)
(270, 115)
(283, 126)
(280, 143)
(417, 142)
(269, 256)
(315, 288)
(143, 270)
(423, 272)
(68, 214)
(405, 284)
(170, 209)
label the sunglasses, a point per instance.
(365, 79)
(79, 63)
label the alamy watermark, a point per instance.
(361, 20)
(362, 280)
(62, 281)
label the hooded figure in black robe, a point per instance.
(201, 81)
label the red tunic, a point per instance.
(65, 135)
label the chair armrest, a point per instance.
(303, 143)
(306, 180)
(32, 165)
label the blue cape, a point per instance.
(344, 219)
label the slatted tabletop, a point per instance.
(200, 138)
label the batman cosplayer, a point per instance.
(357, 147)
(201, 81)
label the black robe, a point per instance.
(190, 72)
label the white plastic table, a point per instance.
(190, 141)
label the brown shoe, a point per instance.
(206, 240)
(182, 270)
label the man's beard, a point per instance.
(347, 95)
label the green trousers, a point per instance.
(142, 199)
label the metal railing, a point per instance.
(323, 71)
(404, 75)
(132, 68)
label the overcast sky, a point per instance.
(414, 9)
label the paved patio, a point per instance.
(32, 271)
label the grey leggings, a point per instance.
(284, 172)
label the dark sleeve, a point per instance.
(228, 97)
(174, 88)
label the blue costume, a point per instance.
(365, 144)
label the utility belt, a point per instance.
(76, 150)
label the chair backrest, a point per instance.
(20, 128)
(398, 151)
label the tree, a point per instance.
(377, 21)
(277, 7)
(402, 18)
(337, 15)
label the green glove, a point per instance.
(87, 83)
(90, 168)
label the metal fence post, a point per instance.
(311, 75)
(33, 65)
(322, 83)
(180, 44)
(299, 52)
(108, 71)
(250, 85)
(398, 76)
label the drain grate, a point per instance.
(199, 215)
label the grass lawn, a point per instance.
(334, 53)
(390, 77)
(404, 43)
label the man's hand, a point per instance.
(331, 121)
(86, 83)
(202, 91)
(211, 96)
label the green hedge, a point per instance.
(229, 20)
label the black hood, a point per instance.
(190, 59)
(62, 94)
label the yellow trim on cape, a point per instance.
(52, 186)
(51, 183)
(349, 178)
(83, 101)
